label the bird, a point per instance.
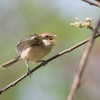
(32, 48)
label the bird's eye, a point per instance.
(46, 37)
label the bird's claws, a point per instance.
(42, 62)
(29, 72)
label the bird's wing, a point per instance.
(28, 41)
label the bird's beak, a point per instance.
(52, 38)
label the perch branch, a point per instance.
(48, 60)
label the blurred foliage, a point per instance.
(52, 82)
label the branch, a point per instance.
(48, 60)
(82, 64)
(92, 3)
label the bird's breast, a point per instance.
(35, 53)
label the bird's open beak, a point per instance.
(52, 38)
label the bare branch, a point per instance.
(48, 60)
(98, 1)
(82, 64)
(92, 3)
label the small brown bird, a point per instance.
(32, 48)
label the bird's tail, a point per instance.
(10, 62)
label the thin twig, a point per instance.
(92, 3)
(48, 60)
(82, 64)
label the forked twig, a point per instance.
(82, 63)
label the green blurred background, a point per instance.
(19, 18)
